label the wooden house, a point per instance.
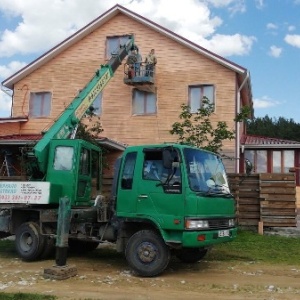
(129, 114)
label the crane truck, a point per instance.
(166, 199)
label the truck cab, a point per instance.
(179, 195)
(74, 169)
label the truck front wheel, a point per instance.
(147, 253)
(29, 242)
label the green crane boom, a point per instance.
(65, 125)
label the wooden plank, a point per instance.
(277, 184)
(278, 197)
(284, 191)
(278, 213)
(275, 224)
(281, 205)
(276, 176)
(249, 215)
(248, 222)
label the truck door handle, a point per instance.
(143, 196)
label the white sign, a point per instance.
(26, 192)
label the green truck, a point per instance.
(166, 199)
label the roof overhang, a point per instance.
(273, 146)
(13, 120)
(21, 140)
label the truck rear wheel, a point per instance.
(147, 254)
(191, 255)
(29, 242)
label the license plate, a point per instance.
(223, 233)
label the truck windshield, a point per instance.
(206, 172)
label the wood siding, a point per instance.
(177, 68)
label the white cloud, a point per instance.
(292, 27)
(234, 6)
(264, 102)
(272, 26)
(5, 104)
(44, 23)
(228, 45)
(11, 68)
(259, 4)
(293, 40)
(5, 98)
(275, 51)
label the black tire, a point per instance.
(147, 254)
(29, 242)
(79, 247)
(191, 255)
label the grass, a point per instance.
(250, 246)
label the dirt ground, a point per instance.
(103, 274)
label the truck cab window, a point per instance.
(128, 171)
(155, 170)
(84, 167)
(63, 158)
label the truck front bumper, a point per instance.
(207, 238)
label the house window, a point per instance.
(272, 161)
(143, 103)
(113, 44)
(259, 160)
(97, 105)
(283, 161)
(196, 94)
(40, 104)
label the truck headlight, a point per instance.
(196, 224)
(231, 222)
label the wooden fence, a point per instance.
(266, 198)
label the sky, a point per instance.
(262, 36)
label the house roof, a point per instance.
(24, 139)
(243, 74)
(262, 142)
(14, 119)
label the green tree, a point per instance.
(89, 133)
(280, 128)
(196, 128)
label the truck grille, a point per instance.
(218, 224)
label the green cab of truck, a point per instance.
(182, 190)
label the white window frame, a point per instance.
(141, 103)
(40, 104)
(196, 94)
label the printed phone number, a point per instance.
(19, 198)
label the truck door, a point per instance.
(160, 193)
(84, 184)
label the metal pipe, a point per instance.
(237, 150)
